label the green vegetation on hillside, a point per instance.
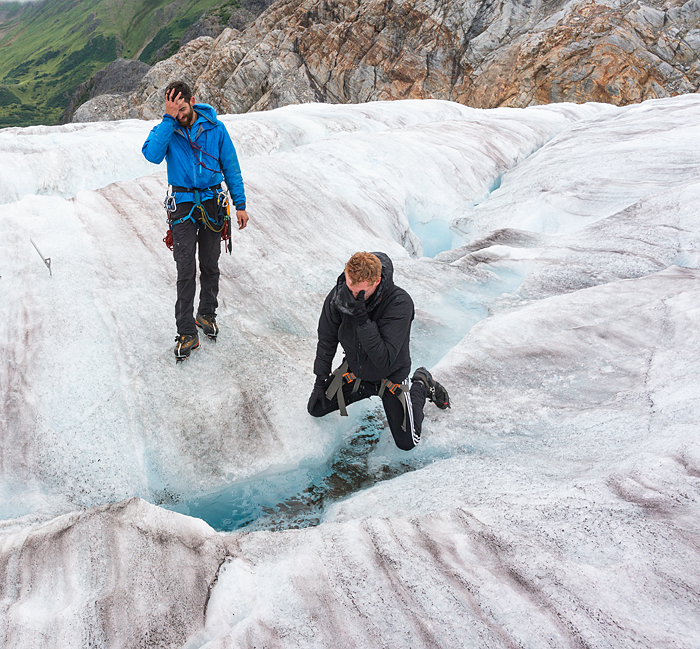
(7, 97)
(165, 36)
(47, 49)
(223, 13)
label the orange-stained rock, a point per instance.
(483, 54)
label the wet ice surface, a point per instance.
(298, 498)
(556, 503)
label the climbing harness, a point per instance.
(342, 376)
(394, 388)
(203, 217)
(220, 224)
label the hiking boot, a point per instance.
(185, 344)
(436, 393)
(207, 323)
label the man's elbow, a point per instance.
(148, 154)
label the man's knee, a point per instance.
(209, 243)
(404, 445)
(210, 268)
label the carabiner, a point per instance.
(222, 198)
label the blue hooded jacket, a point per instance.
(196, 161)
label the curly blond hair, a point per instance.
(363, 267)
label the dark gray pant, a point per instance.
(187, 237)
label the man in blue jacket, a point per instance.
(199, 155)
(371, 319)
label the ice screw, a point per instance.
(46, 260)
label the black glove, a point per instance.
(317, 401)
(355, 307)
(321, 381)
(359, 308)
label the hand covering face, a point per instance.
(355, 307)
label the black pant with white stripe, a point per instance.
(415, 401)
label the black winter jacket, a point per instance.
(377, 349)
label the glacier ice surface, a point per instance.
(552, 254)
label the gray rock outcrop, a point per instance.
(206, 26)
(118, 78)
(483, 54)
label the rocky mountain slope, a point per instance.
(49, 50)
(484, 54)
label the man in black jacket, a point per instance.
(371, 318)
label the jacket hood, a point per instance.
(387, 268)
(206, 119)
(207, 112)
(384, 288)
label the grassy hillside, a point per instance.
(49, 48)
